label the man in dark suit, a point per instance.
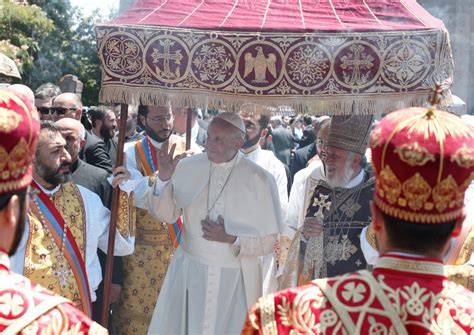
(308, 132)
(104, 125)
(95, 180)
(282, 141)
(303, 155)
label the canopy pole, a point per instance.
(113, 219)
(189, 126)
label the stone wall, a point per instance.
(458, 17)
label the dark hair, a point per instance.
(47, 90)
(417, 237)
(50, 125)
(263, 121)
(307, 120)
(97, 113)
(5, 197)
(142, 110)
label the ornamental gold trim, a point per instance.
(408, 265)
(267, 315)
(416, 217)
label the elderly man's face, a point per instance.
(340, 166)
(73, 142)
(222, 142)
(158, 123)
(52, 160)
(65, 107)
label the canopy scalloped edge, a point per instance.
(319, 72)
(317, 106)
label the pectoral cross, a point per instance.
(62, 274)
(322, 203)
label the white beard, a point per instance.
(347, 175)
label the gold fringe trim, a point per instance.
(377, 105)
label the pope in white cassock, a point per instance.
(232, 217)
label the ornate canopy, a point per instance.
(319, 56)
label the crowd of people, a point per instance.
(268, 224)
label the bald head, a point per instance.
(67, 105)
(74, 133)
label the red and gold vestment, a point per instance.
(26, 308)
(403, 295)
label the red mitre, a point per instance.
(424, 162)
(19, 129)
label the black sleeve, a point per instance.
(97, 155)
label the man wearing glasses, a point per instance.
(94, 151)
(44, 96)
(145, 270)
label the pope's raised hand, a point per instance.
(167, 161)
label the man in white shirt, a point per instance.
(256, 118)
(232, 217)
(67, 223)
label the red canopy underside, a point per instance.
(290, 15)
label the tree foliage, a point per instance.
(21, 29)
(51, 38)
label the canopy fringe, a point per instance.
(374, 105)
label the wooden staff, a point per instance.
(189, 126)
(113, 219)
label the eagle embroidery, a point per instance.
(260, 64)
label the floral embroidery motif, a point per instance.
(9, 120)
(16, 160)
(414, 154)
(354, 293)
(391, 186)
(445, 194)
(464, 157)
(417, 191)
(12, 304)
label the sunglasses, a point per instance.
(44, 110)
(61, 110)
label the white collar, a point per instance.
(228, 165)
(49, 192)
(253, 154)
(156, 144)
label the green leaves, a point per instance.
(50, 38)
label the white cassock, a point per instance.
(267, 160)
(210, 285)
(97, 234)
